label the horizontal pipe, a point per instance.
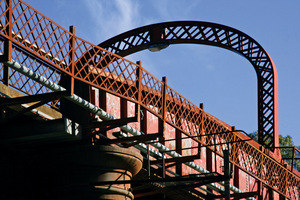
(104, 115)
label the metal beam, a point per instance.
(33, 98)
(190, 179)
(141, 138)
(102, 124)
(98, 111)
(177, 160)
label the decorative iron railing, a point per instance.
(43, 46)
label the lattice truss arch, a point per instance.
(216, 35)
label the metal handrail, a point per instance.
(51, 58)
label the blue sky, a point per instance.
(224, 81)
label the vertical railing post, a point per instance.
(72, 58)
(235, 160)
(164, 104)
(201, 129)
(144, 121)
(227, 174)
(202, 113)
(215, 153)
(271, 193)
(148, 162)
(178, 144)
(233, 149)
(209, 162)
(139, 89)
(260, 182)
(163, 120)
(163, 165)
(293, 158)
(123, 109)
(8, 41)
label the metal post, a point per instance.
(178, 144)
(139, 89)
(123, 109)
(72, 56)
(201, 106)
(163, 169)
(162, 122)
(148, 161)
(227, 174)
(8, 41)
(163, 165)
(164, 101)
(271, 193)
(293, 158)
(144, 121)
(235, 159)
(260, 183)
(209, 160)
(215, 152)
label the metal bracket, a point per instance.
(32, 98)
(182, 183)
(42, 98)
(133, 140)
(177, 160)
(111, 124)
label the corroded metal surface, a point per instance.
(46, 48)
(216, 35)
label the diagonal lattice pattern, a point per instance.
(151, 93)
(216, 35)
(50, 50)
(181, 112)
(39, 34)
(105, 70)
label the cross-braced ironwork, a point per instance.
(217, 35)
(46, 48)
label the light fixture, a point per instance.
(157, 46)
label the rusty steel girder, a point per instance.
(162, 34)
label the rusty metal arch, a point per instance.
(197, 32)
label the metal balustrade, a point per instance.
(33, 40)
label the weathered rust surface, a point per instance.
(49, 49)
